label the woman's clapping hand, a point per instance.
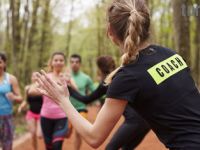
(56, 90)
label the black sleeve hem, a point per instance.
(119, 97)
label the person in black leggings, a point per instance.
(134, 128)
(54, 122)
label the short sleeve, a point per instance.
(124, 86)
(90, 85)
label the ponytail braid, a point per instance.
(130, 21)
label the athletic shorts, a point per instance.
(84, 114)
(30, 115)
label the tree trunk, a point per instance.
(31, 42)
(99, 38)
(197, 44)
(151, 6)
(8, 41)
(16, 37)
(45, 44)
(70, 26)
(182, 28)
(25, 37)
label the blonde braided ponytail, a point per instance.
(129, 19)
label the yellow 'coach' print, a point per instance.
(167, 68)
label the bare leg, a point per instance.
(39, 130)
(78, 140)
(32, 126)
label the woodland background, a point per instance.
(30, 30)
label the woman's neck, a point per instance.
(140, 47)
(143, 46)
(1, 73)
(56, 73)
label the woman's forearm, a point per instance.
(18, 98)
(96, 133)
(33, 91)
(23, 104)
(82, 126)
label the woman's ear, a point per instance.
(112, 36)
(109, 31)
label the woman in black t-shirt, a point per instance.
(154, 80)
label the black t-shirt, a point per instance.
(159, 86)
(35, 103)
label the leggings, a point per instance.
(54, 132)
(6, 132)
(130, 133)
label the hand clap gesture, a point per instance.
(57, 91)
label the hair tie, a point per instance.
(133, 11)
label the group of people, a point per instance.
(45, 119)
(152, 89)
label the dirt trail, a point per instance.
(149, 143)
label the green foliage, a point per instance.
(87, 35)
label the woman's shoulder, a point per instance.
(11, 78)
(162, 49)
(125, 74)
(152, 55)
(9, 75)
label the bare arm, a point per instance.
(15, 95)
(66, 77)
(94, 134)
(73, 84)
(24, 103)
(32, 90)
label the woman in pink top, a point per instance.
(54, 122)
